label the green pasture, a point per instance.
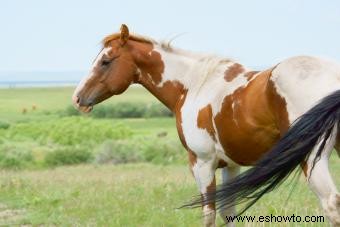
(43, 104)
(31, 103)
(128, 195)
(38, 188)
(45, 129)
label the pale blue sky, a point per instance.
(64, 35)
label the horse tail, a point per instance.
(312, 129)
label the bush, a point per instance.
(15, 157)
(99, 111)
(68, 131)
(157, 110)
(70, 111)
(124, 110)
(67, 156)
(4, 125)
(120, 110)
(154, 150)
(117, 152)
(163, 151)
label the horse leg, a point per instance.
(204, 173)
(321, 182)
(228, 173)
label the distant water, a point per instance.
(15, 84)
(40, 79)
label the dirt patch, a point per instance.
(10, 216)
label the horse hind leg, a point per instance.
(228, 173)
(321, 182)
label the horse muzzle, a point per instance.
(82, 105)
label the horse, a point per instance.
(227, 116)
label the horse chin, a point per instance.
(85, 109)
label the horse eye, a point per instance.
(105, 62)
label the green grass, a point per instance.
(28, 137)
(49, 100)
(128, 195)
(142, 127)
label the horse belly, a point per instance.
(246, 146)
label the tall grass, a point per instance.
(148, 149)
(66, 131)
(130, 195)
(123, 110)
(74, 140)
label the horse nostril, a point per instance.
(76, 99)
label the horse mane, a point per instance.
(207, 63)
(164, 45)
(133, 37)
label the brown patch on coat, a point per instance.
(169, 94)
(249, 75)
(221, 164)
(192, 160)
(151, 67)
(205, 120)
(248, 124)
(304, 167)
(210, 189)
(279, 108)
(191, 155)
(233, 71)
(178, 114)
(148, 60)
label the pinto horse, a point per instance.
(229, 116)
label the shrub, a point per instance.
(15, 157)
(71, 111)
(4, 125)
(69, 131)
(124, 110)
(99, 111)
(119, 110)
(67, 156)
(157, 110)
(128, 110)
(163, 151)
(155, 150)
(116, 152)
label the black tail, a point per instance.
(313, 127)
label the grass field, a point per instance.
(139, 194)
(49, 100)
(126, 195)
(43, 104)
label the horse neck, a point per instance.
(166, 75)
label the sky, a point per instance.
(65, 35)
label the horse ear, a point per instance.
(124, 34)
